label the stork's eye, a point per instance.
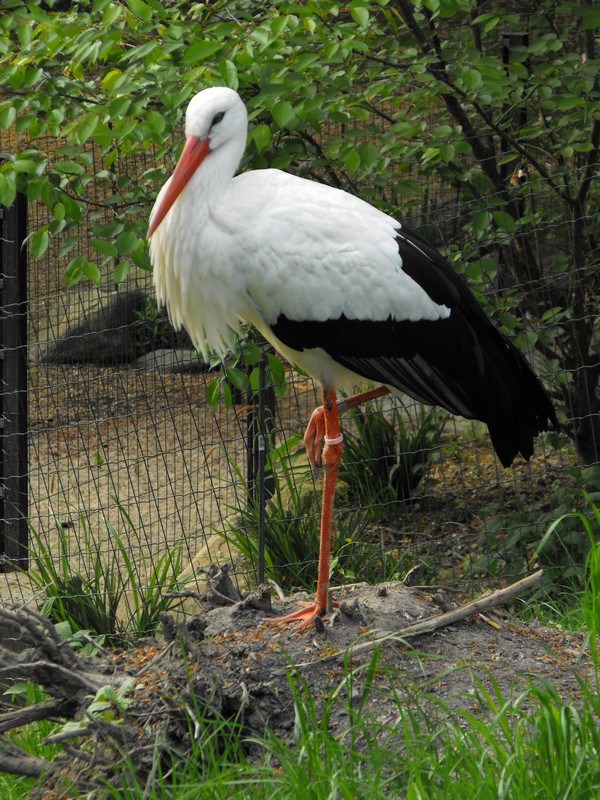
(217, 118)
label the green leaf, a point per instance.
(526, 340)
(104, 247)
(72, 207)
(7, 116)
(8, 190)
(278, 25)
(227, 396)
(590, 16)
(283, 113)
(229, 74)
(121, 271)
(447, 152)
(110, 79)
(254, 380)
(38, 243)
(360, 15)
(26, 165)
(261, 136)
(92, 271)
(69, 168)
(504, 221)
(73, 271)
(125, 242)
(369, 154)
(251, 354)
(119, 107)
(110, 14)
(546, 43)
(25, 35)
(139, 9)
(481, 222)
(487, 22)
(213, 393)
(237, 378)
(564, 102)
(200, 51)
(139, 255)
(67, 246)
(470, 78)
(277, 370)
(429, 154)
(352, 160)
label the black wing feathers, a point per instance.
(462, 363)
(425, 266)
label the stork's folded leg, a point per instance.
(332, 455)
(314, 435)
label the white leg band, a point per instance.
(336, 440)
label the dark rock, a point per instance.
(166, 360)
(102, 331)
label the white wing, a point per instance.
(312, 252)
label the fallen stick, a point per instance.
(434, 623)
(47, 709)
(18, 762)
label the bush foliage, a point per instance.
(487, 139)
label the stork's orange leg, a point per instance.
(332, 455)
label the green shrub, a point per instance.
(387, 453)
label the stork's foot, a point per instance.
(304, 617)
(314, 436)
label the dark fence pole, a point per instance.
(261, 464)
(13, 386)
(260, 425)
(519, 117)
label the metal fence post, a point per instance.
(13, 386)
(260, 425)
(519, 117)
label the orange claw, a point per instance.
(314, 436)
(305, 615)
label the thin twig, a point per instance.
(69, 733)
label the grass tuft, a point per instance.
(113, 599)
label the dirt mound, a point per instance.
(226, 663)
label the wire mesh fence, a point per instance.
(123, 446)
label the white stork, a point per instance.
(338, 287)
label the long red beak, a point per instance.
(193, 154)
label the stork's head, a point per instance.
(215, 115)
(215, 120)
